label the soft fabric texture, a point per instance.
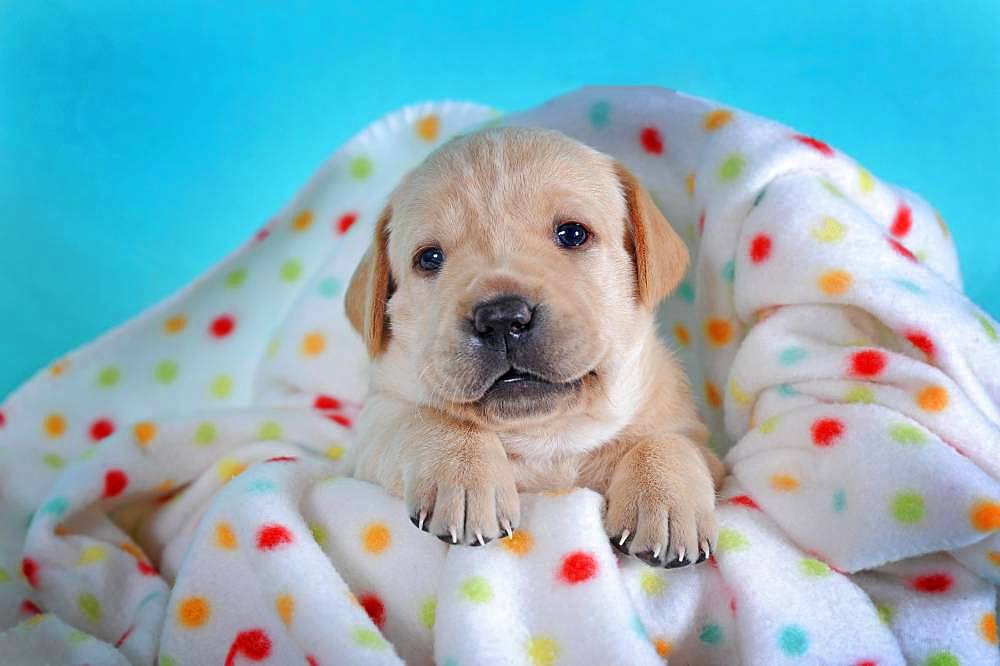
(173, 490)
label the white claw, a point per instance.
(454, 535)
(680, 555)
(708, 551)
(656, 551)
(621, 542)
(507, 529)
(479, 538)
(421, 519)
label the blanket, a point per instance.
(174, 492)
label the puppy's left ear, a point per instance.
(658, 253)
(370, 289)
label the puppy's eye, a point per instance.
(430, 259)
(571, 234)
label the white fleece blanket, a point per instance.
(170, 492)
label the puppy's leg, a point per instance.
(455, 478)
(661, 501)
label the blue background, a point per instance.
(140, 142)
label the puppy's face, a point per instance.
(509, 275)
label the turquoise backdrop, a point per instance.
(141, 141)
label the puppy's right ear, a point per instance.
(370, 289)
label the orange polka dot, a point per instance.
(719, 331)
(225, 538)
(932, 399)
(285, 605)
(302, 221)
(175, 324)
(835, 282)
(985, 516)
(313, 344)
(682, 335)
(663, 647)
(131, 549)
(712, 395)
(59, 367)
(144, 432)
(689, 184)
(988, 628)
(784, 482)
(717, 119)
(519, 543)
(164, 486)
(375, 538)
(54, 425)
(193, 612)
(428, 127)
(994, 557)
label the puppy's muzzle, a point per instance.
(503, 321)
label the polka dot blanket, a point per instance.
(174, 493)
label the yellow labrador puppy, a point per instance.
(507, 301)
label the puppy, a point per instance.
(507, 302)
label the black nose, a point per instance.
(502, 317)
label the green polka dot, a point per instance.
(108, 377)
(367, 638)
(261, 486)
(56, 506)
(943, 658)
(428, 613)
(904, 433)
(768, 426)
(205, 434)
(759, 198)
(165, 372)
(329, 287)
(831, 188)
(89, 453)
(793, 640)
(269, 430)
(908, 286)
(318, 533)
(787, 390)
(291, 270)
(477, 589)
(4, 576)
(222, 386)
(731, 169)
(639, 628)
(90, 606)
(908, 507)
(730, 540)
(361, 167)
(710, 634)
(77, 636)
(167, 661)
(685, 291)
(600, 113)
(885, 613)
(53, 461)
(729, 271)
(791, 355)
(236, 278)
(839, 500)
(860, 394)
(814, 568)
(988, 328)
(921, 255)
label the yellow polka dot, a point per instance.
(91, 555)
(313, 344)
(784, 482)
(941, 224)
(542, 650)
(652, 584)
(302, 221)
(520, 543)
(318, 533)
(768, 426)
(717, 119)
(689, 184)
(558, 492)
(175, 324)
(144, 432)
(193, 612)
(865, 180)
(712, 395)
(829, 230)
(54, 425)
(35, 620)
(739, 395)
(228, 468)
(682, 335)
(428, 127)
(988, 628)
(285, 605)
(835, 282)
(221, 386)
(59, 367)
(375, 538)
(663, 647)
(225, 537)
(335, 452)
(718, 331)
(932, 399)
(985, 516)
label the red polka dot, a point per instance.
(901, 249)
(345, 222)
(115, 481)
(760, 248)
(921, 341)
(866, 662)
(30, 570)
(934, 583)
(815, 144)
(3, 420)
(826, 431)
(281, 459)
(311, 660)
(867, 363)
(732, 605)
(578, 567)
(651, 140)
(743, 500)
(145, 568)
(262, 234)
(903, 221)
(273, 536)
(28, 607)
(253, 644)
(340, 419)
(374, 607)
(124, 637)
(222, 326)
(326, 402)
(101, 428)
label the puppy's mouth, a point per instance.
(517, 384)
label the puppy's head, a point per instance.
(509, 275)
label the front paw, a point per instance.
(661, 509)
(463, 499)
